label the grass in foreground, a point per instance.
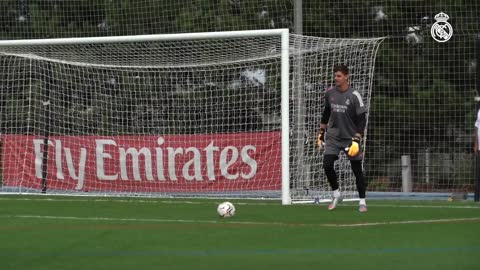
(97, 233)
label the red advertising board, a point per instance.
(167, 163)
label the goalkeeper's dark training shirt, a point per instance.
(344, 109)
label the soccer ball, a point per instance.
(226, 209)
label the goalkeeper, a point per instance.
(341, 129)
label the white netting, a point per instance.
(167, 118)
(312, 75)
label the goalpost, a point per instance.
(220, 114)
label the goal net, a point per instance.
(173, 115)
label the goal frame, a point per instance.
(282, 33)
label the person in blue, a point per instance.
(341, 129)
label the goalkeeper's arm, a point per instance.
(323, 126)
(361, 123)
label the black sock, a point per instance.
(328, 166)
(359, 179)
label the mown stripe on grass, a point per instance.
(215, 201)
(250, 252)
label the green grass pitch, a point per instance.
(51, 232)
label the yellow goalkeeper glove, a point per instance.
(321, 139)
(354, 147)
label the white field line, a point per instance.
(427, 206)
(215, 201)
(154, 220)
(231, 222)
(366, 224)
